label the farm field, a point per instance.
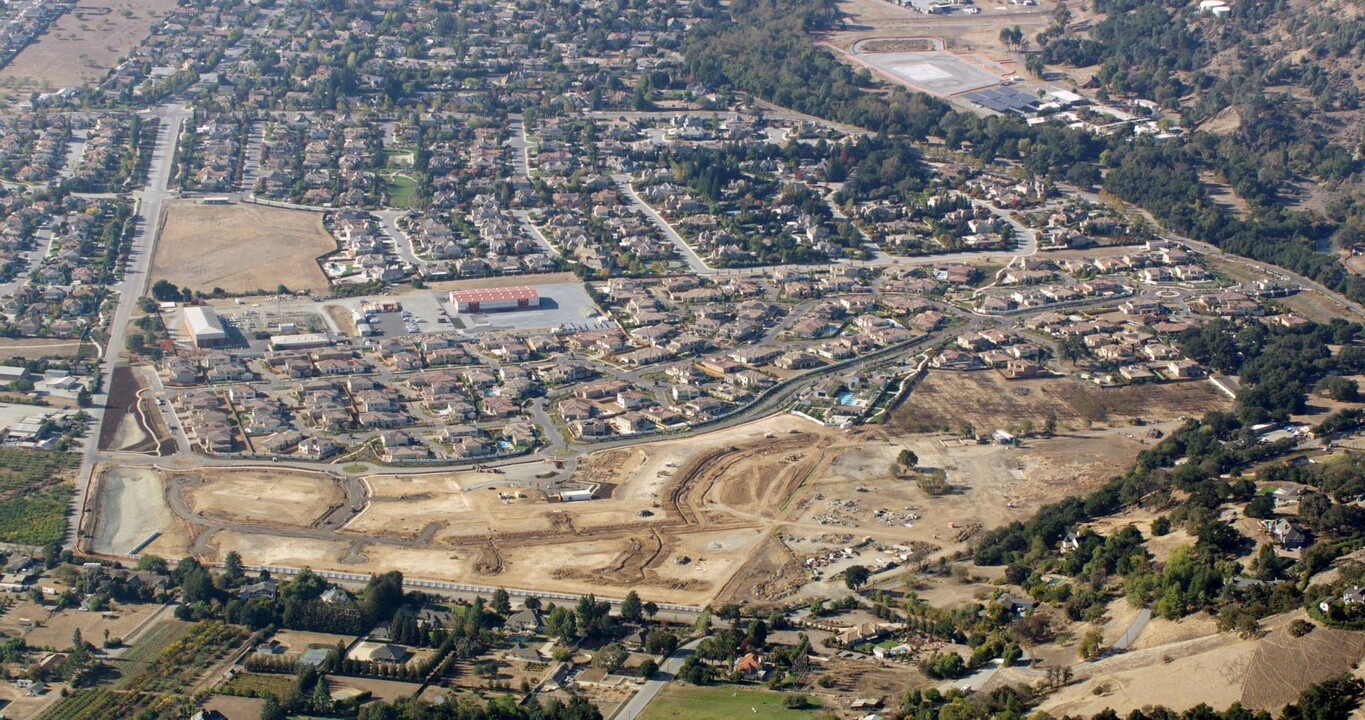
(160, 671)
(241, 248)
(83, 44)
(719, 703)
(35, 493)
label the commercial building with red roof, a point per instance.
(495, 299)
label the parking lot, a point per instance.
(936, 72)
(565, 305)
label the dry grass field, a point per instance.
(867, 19)
(1283, 664)
(34, 348)
(1180, 665)
(241, 248)
(43, 629)
(989, 402)
(82, 45)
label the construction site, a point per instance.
(765, 512)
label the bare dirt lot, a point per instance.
(129, 508)
(55, 631)
(989, 402)
(241, 248)
(272, 497)
(83, 44)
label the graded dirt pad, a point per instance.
(84, 43)
(266, 497)
(734, 513)
(258, 549)
(403, 505)
(857, 678)
(241, 248)
(130, 507)
(343, 318)
(946, 399)
(485, 529)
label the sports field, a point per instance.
(721, 703)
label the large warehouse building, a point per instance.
(204, 327)
(495, 299)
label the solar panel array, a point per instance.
(1004, 99)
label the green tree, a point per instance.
(383, 596)
(166, 291)
(907, 458)
(322, 697)
(695, 671)
(562, 623)
(610, 658)
(152, 563)
(502, 603)
(307, 585)
(856, 576)
(272, 710)
(632, 610)
(1089, 648)
(1261, 506)
(232, 566)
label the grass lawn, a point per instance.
(719, 703)
(402, 191)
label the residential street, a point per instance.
(653, 686)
